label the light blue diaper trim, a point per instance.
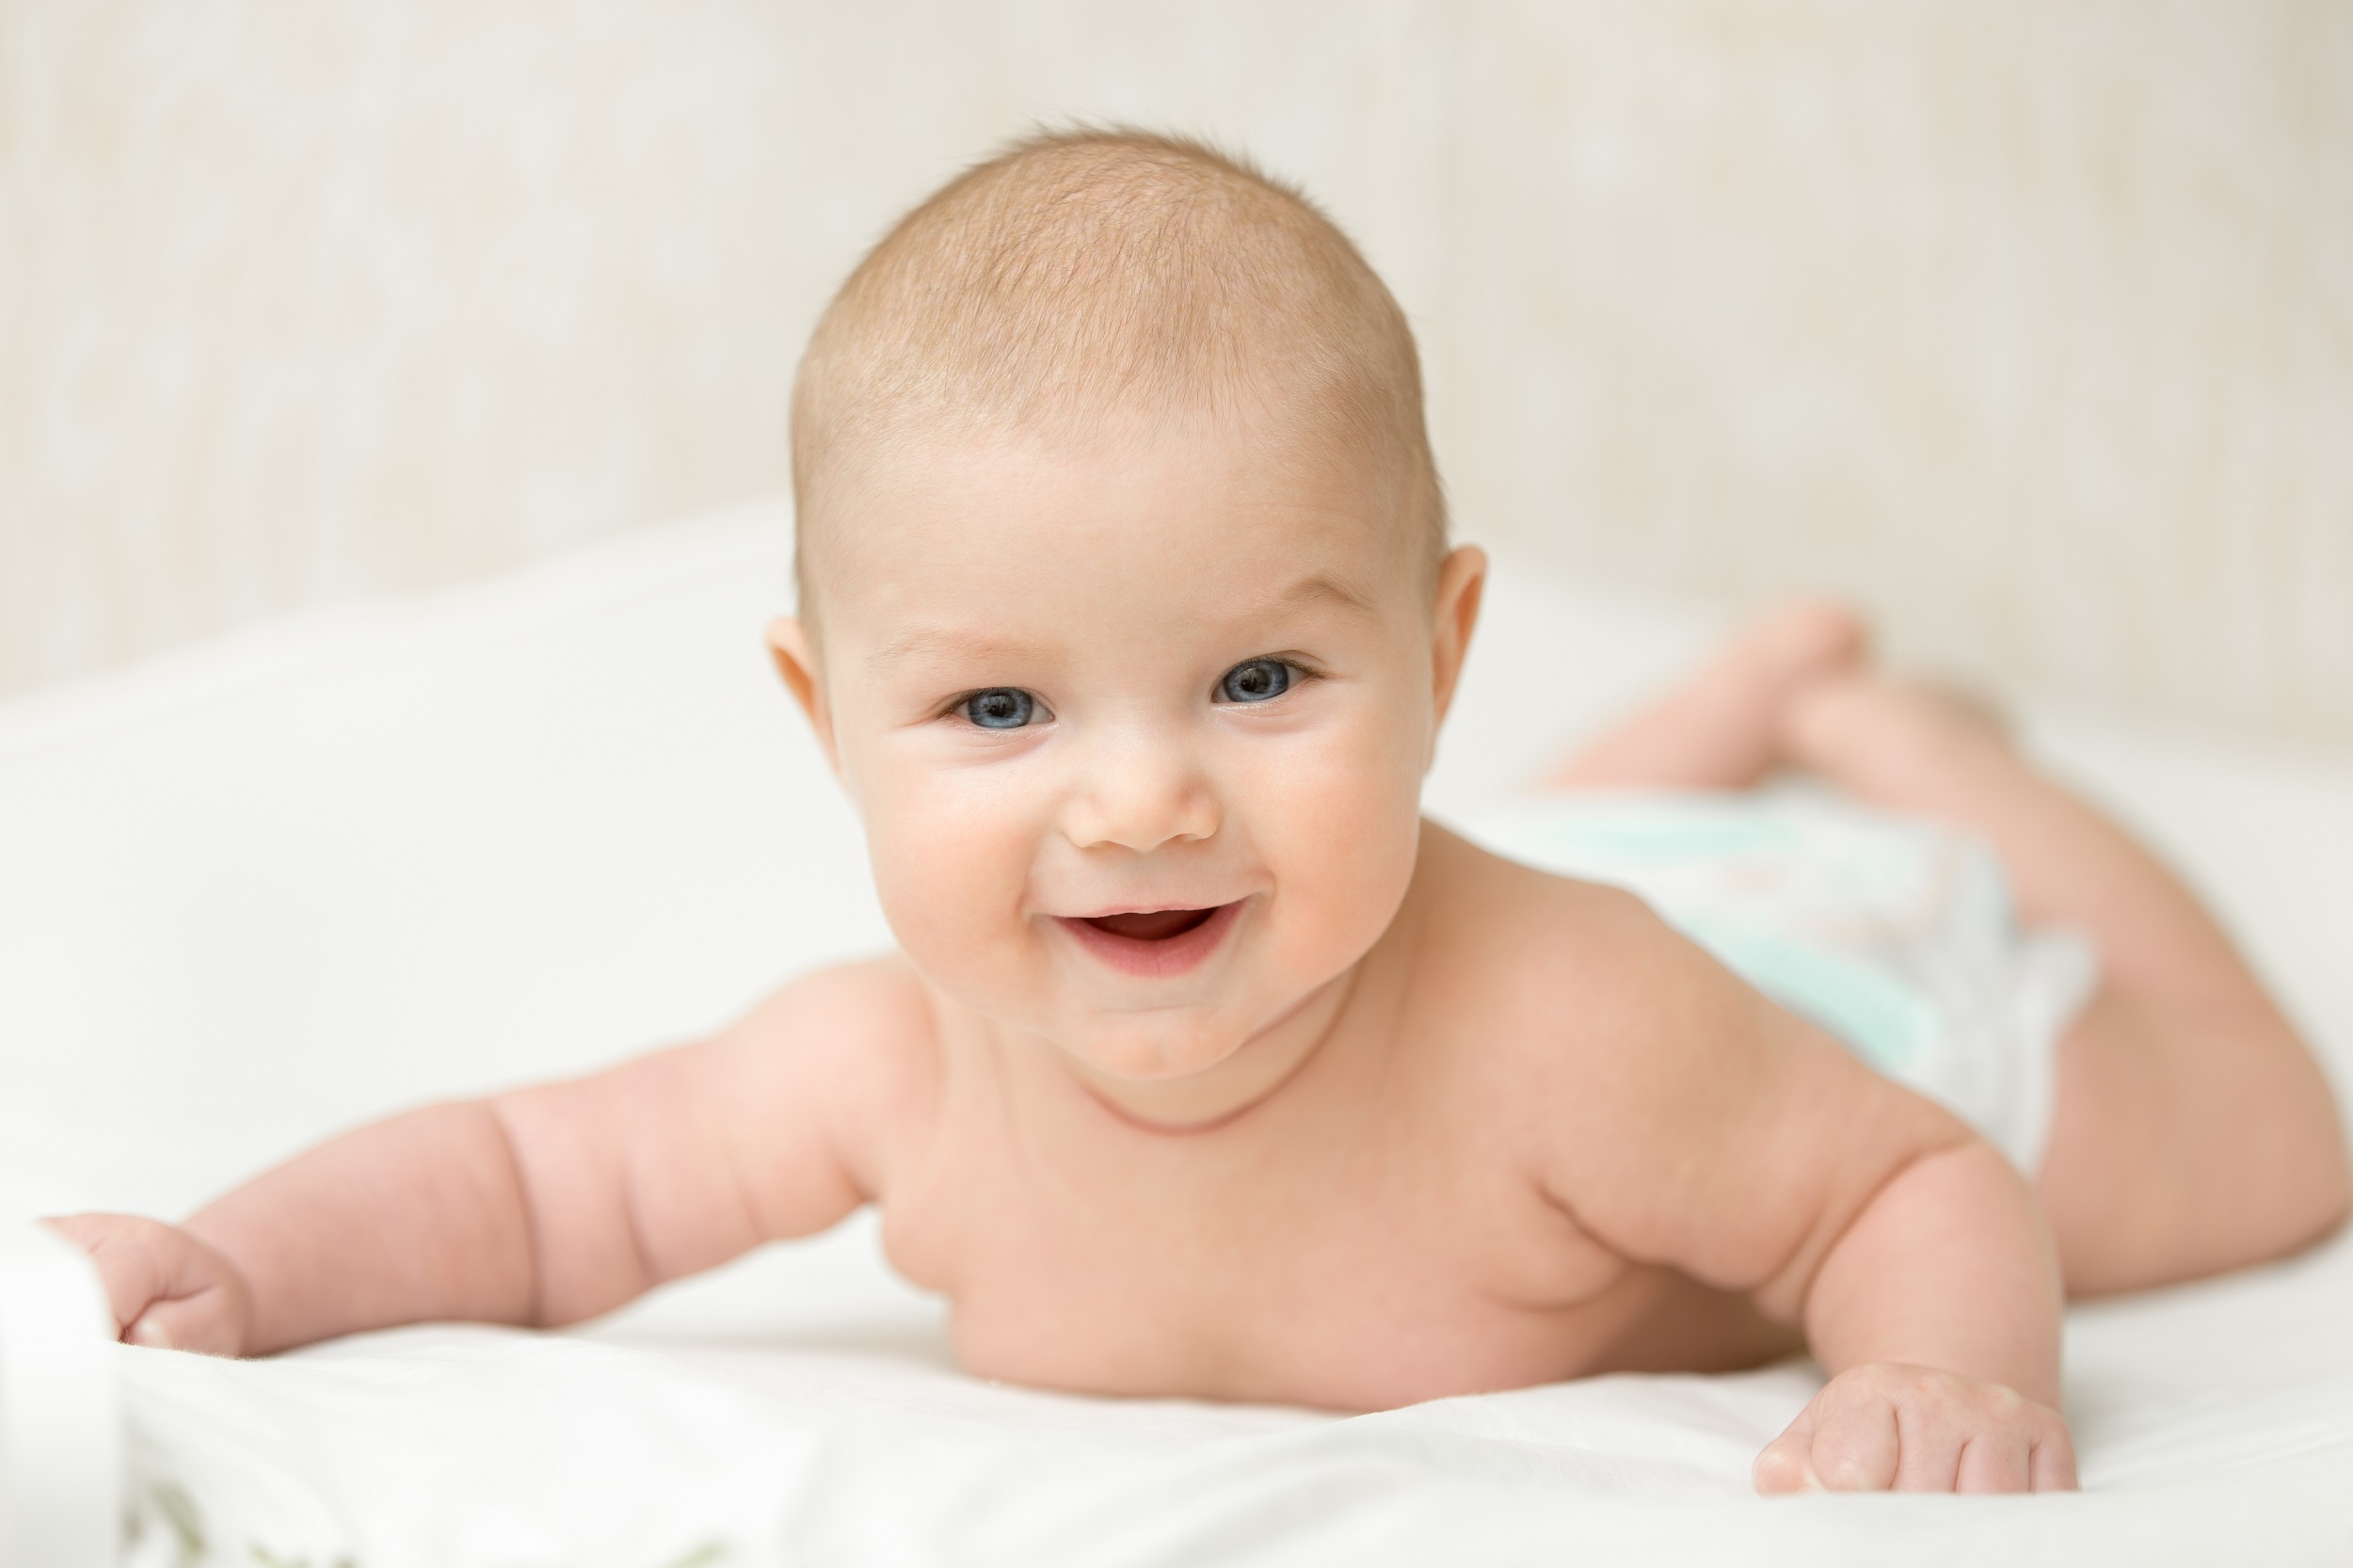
(1886, 1022)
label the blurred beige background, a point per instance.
(2030, 324)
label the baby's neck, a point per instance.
(1255, 1072)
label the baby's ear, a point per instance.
(789, 646)
(1462, 579)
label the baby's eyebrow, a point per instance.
(955, 642)
(922, 640)
(1320, 587)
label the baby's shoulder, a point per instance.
(1533, 980)
(877, 1003)
(860, 1037)
(1596, 1043)
(1507, 933)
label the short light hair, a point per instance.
(1082, 274)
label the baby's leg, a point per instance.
(1720, 727)
(2193, 1131)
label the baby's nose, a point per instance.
(1140, 792)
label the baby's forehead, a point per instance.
(1129, 496)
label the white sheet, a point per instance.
(2215, 1422)
(261, 890)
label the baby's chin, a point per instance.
(1150, 1055)
(1180, 1073)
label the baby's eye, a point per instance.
(1255, 682)
(1000, 708)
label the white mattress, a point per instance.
(265, 890)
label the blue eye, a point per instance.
(1259, 680)
(1001, 708)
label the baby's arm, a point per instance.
(1755, 1153)
(1937, 1309)
(546, 1205)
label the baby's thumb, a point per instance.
(1787, 1463)
(206, 1322)
(130, 1255)
(165, 1288)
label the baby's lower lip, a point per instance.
(1157, 945)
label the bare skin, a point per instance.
(1207, 1068)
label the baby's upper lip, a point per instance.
(1143, 906)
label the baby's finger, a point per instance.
(1783, 1467)
(1930, 1442)
(2052, 1463)
(205, 1322)
(1999, 1460)
(1856, 1446)
(130, 1256)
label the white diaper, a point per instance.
(1894, 934)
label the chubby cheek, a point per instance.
(951, 863)
(1340, 827)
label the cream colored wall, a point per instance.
(2031, 325)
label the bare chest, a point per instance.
(1348, 1267)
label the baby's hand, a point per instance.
(166, 1287)
(1911, 1428)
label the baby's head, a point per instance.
(1127, 614)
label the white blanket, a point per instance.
(285, 884)
(2215, 1423)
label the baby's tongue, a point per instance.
(1158, 926)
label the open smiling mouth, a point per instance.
(1153, 942)
(1157, 926)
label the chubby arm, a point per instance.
(1768, 1161)
(1948, 1264)
(1937, 1311)
(546, 1205)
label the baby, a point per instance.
(1207, 1066)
